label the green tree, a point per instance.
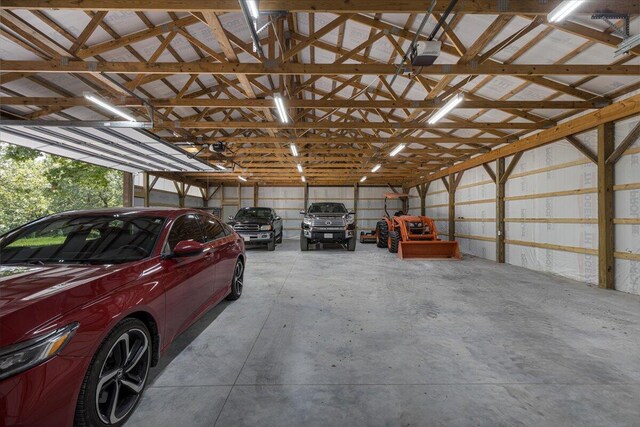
(36, 184)
(23, 190)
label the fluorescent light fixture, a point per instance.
(294, 149)
(376, 167)
(450, 105)
(299, 167)
(220, 167)
(398, 149)
(363, 179)
(303, 179)
(284, 118)
(108, 107)
(563, 10)
(253, 8)
(242, 178)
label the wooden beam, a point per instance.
(326, 124)
(490, 172)
(500, 211)
(146, 190)
(256, 191)
(206, 67)
(625, 144)
(512, 165)
(429, 104)
(127, 189)
(321, 139)
(526, 7)
(619, 110)
(606, 245)
(452, 207)
(581, 148)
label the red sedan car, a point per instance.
(89, 300)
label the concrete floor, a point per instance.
(332, 338)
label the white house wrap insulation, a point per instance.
(551, 211)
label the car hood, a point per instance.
(259, 221)
(32, 296)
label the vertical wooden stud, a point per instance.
(500, 208)
(606, 146)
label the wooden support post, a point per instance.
(256, 191)
(306, 196)
(127, 189)
(405, 201)
(422, 192)
(452, 207)
(239, 196)
(500, 210)
(205, 195)
(181, 195)
(356, 197)
(606, 147)
(145, 188)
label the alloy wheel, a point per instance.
(123, 376)
(238, 277)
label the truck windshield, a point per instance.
(337, 208)
(247, 213)
(82, 239)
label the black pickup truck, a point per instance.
(258, 225)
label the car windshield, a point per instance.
(337, 208)
(82, 239)
(247, 213)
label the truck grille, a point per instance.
(246, 227)
(328, 223)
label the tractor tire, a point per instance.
(382, 234)
(394, 237)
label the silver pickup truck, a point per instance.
(328, 223)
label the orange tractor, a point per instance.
(410, 236)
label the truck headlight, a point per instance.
(349, 219)
(22, 356)
(265, 227)
(307, 221)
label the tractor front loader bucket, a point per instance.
(428, 249)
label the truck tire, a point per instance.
(271, 245)
(394, 237)
(304, 242)
(382, 234)
(351, 244)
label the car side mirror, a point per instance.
(230, 217)
(186, 248)
(352, 212)
(303, 212)
(278, 218)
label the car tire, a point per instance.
(109, 376)
(394, 239)
(351, 244)
(271, 245)
(304, 242)
(382, 234)
(362, 237)
(237, 282)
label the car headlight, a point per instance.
(22, 356)
(307, 221)
(265, 227)
(349, 220)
